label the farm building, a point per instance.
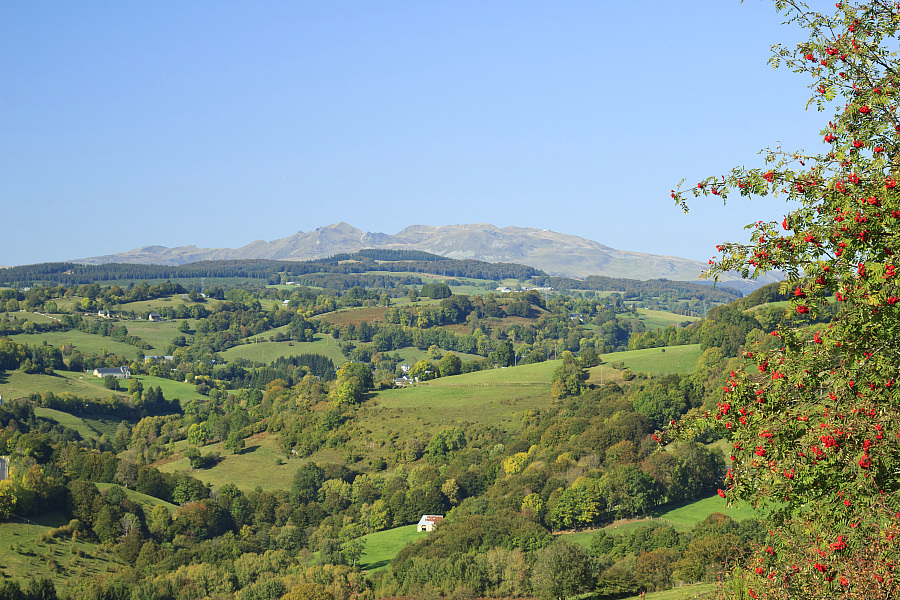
(120, 373)
(427, 522)
(154, 317)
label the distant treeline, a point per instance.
(634, 288)
(269, 270)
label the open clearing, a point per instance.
(88, 343)
(170, 389)
(383, 546)
(16, 384)
(654, 361)
(660, 319)
(252, 467)
(68, 420)
(139, 498)
(269, 351)
(24, 556)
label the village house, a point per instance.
(427, 522)
(154, 317)
(118, 373)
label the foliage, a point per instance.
(814, 424)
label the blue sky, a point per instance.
(126, 124)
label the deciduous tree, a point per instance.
(814, 423)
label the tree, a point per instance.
(111, 382)
(504, 355)
(568, 378)
(562, 569)
(450, 364)
(814, 426)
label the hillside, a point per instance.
(556, 253)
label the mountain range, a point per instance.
(555, 253)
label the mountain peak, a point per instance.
(550, 251)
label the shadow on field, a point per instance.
(4, 377)
(375, 565)
(248, 450)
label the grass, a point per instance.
(16, 384)
(254, 466)
(138, 498)
(85, 430)
(269, 351)
(383, 546)
(23, 556)
(655, 361)
(33, 317)
(682, 517)
(88, 343)
(170, 389)
(660, 319)
(157, 334)
(696, 591)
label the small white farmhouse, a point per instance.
(427, 522)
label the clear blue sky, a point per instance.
(125, 124)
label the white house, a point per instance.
(427, 522)
(154, 317)
(119, 373)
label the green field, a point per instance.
(170, 389)
(383, 546)
(139, 498)
(254, 466)
(682, 517)
(269, 351)
(88, 343)
(695, 591)
(157, 334)
(23, 556)
(33, 317)
(16, 384)
(85, 430)
(655, 361)
(660, 319)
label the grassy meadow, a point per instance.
(138, 498)
(170, 389)
(660, 319)
(88, 343)
(16, 384)
(383, 546)
(24, 556)
(254, 466)
(84, 429)
(269, 351)
(653, 361)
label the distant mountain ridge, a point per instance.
(556, 253)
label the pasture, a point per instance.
(170, 389)
(157, 334)
(88, 343)
(139, 498)
(84, 429)
(660, 319)
(268, 351)
(383, 546)
(653, 361)
(681, 516)
(24, 556)
(254, 466)
(16, 384)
